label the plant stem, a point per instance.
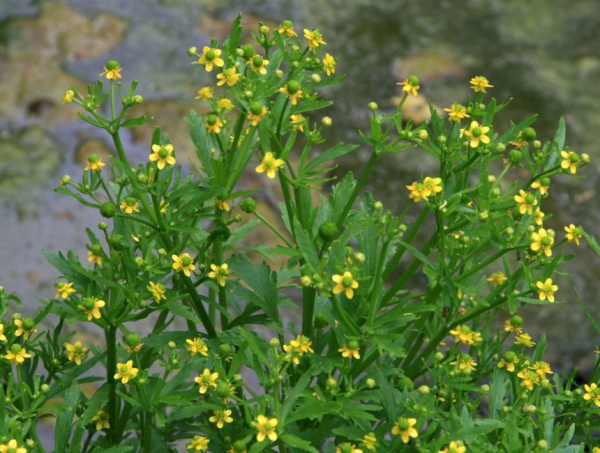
(147, 431)
(359, 185)
(308, 310)
(273, 228)
(111, 369)
(218, 249)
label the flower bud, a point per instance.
(439, 356)
(528, 134)
(515, 156)
(225, 350)
(331, 384)
(373, 106)
(132, 339)
(424, 390)
(138, 99)
(406, 384)
(320, 321)
(329, 231)
(542, 444)
(111, 65)
(360, 257)
(248, 51)
(316, 78)
(264, 30)
(378, 205)
(274, 342)
(239, 446)
(326, 121)
(171, 345)
(585, 158)
(192, 51)
(44, 388)
(278, 73)
(500, 147)
(423, 134)
(28, 324)
(248, 205)
(66, 179)
(108, 210)
(256, 108)
(537, 144)
(305, 281)
(370, 383)
(223, 389)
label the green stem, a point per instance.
(111, 369)
(287, 101)
(308, 310)
(359, 185)
(346, 320)
(273, 228)
(490, 260)
(375, 290)
(147, 431)
(112, 99)
(218, 249)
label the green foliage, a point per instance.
(200, 349)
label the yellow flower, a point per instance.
(465, 362)
(266, 428)
(258, 64)
(329, 64)
(221, 417)
(480, 83)
(546, 290)
(298, 122)
(129, 205)
(405, 428)
(225, 104)
(183, 262)
(126, 371)
(93, 258)
(454, 448)
(528, 378)
(457, 112)
(542, 368)
(257, 112)
(213, 124)
(222, 204)
(410, 85)
(76, 351)
(207, 380)
(229, 76)
(418, 192)
(477, 134)
(2, 336)
(25, 328)
(514, 324)
(497, 278)
(157, 290)
(219, 273)
(68, 97)
(369, 441)
(315, 39)
(12, 447)
(542, 185)
(92, 306)
(350, 350)
(211, 57)
(270, 165)
(64, 290)
(524, 339)
(592, 392)
(199, 443)
(570, 160)
(205, 93)
(113, 73)
(538, 217)
(197, 346)
(433, 185)
(287, 28)
(17, 354)
(525, 202)
(163, 154)
(573, 233)
(102, 420)
(293, 91)
(509, 361)
(297, 348)
(542, 241)
(344, 448)
(94, 163)
(464, 334)
(345, 283)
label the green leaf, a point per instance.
(338, 150)
(306, 246)
(178, 308)
(297, 442)
(340, 194)
(235, 36)
(114, 450)
(95, 403)
(64, 420)
(498, 391)
(314, 410)
(77, 437)
(134, 122)
(386, 343)
(418, 254)
(293, 395)
(201, 141)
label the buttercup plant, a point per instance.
(375, 363)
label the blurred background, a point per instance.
(544, 54)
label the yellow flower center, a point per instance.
(347, 282)
(15, 348)
(465, 329)
(211, 120)
(403, 424)
(509, 357)
(210, 55)
(78, 350)
(124, 369)
(186, 261)
(293, 86)
(267, 426)
(205, 379)
(529, 199)
(88, 304)
(163, 153)
(477, 132)
(546, 241)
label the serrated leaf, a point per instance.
(306, 245)
(297, 442)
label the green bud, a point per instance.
(192, 51)
(406, 384)
(528, 134)
(329, 231)
(278, 73)
(66, 179)
(370, 383)
(225, 350)
(360, 257)
(424, 390)
(585, 158)
(321, 321)
(223, 389)
(500, 147)
(326, 121)
(28, 324)
(316, 78)
(293, 86)
(542, 444)
(171, 345)
(485, 388)
(305, 281)
(439, 356)
(132, 339)
(45, 388)
(248, 51)
(353, 344)
(373, 106)
(111, 65)
(264, 30)
(423, 134)
(108, 210)
(239, 446)
(138, 99)
(103, 226)
(248, 205)
(274, 342)
(117, 242)
(256, 108)
(515, 156)
(331, 384)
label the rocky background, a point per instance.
(545, 55)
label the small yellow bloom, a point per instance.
(266, 428)
(457, 112)
(418, 192)
(126, 371)
(538, 217)
(525, 202)
(315, 39)
(464, 334)
(497, 278)
(405, 428)
(480, 83)
(297, 348)
(163, 154)
(229, 76)
(197, 346)
(91, 306)
(546, 290)
(592, 392)
(102, 420)
(112, 74)
(343, 448)
(542, 241)
(219, 273)
(524, 339)
(514, 324)
(542, 368)
(329, 64)
(64, 290)
(199, 443)
(477, 134)
(157, 290)
(345, 283)
(410, 85)
(94, 163)
(573, 233)
(298, 122)
(225, 104)
(350, 350)
(292, 90)
(2, 336)
(129, 205)
(465, 362)
(12, 447)
(213, 124)
(222, 204)
(369, 441)
(259, 64)
(211, 57)
(509, 361)
(433, 186)
(542, 185)
(454, 447)
(256, 117)
(17, 354)
(68, 97)
(207, 380)
(75, 351)
(205, 93)
(221, 417)
(183, 262)
(287, 28)
(25, 328)
(570, 160)
(528, 378)
(93, 258)
(270, 165)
